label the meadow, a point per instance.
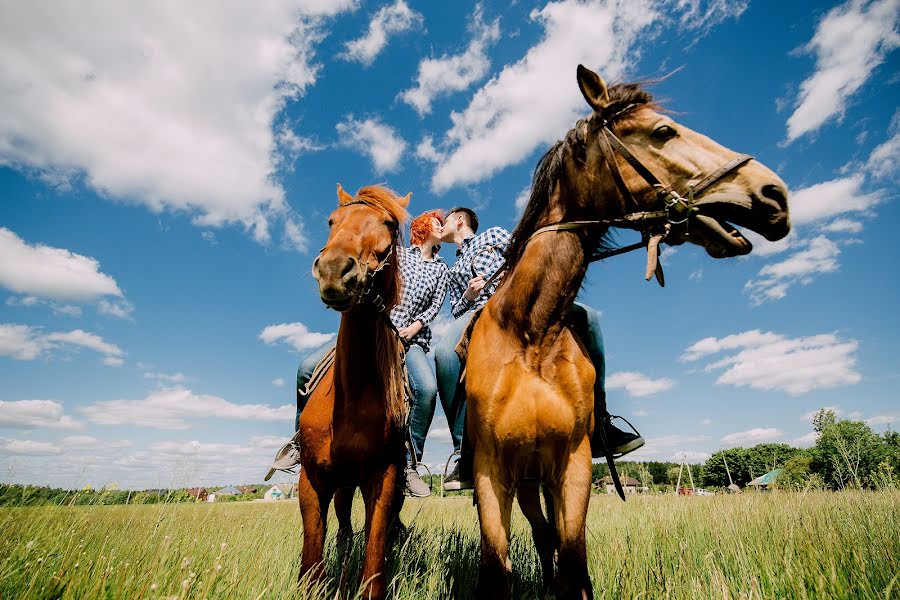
(752, 545)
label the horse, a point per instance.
(529, 380)
(351, 430)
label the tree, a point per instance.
(745, 464)
(847, 453)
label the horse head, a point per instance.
(666, 178)
(358, 264)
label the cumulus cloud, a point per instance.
(850, 41)
(169, 105)
(389, 20)
(28, 447)
(453, 73)
(43, 271)
(296, 335)
(822, 201)
(380, 142)
(637, 384)
(818, 255)
(773, 362)
(884, 160)
(24, 342)
(278, 382)
(29, 414)
(672, 447)
(500, 126)
(805, 441)
(751, 437)
(883, 420)
(172, 409)
(168, 377)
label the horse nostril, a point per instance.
(315, 267)
(349, 266)
(776, 193)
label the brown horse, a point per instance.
(530, 381)
(351, 429)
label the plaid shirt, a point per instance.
(423, 293)
(480, 254)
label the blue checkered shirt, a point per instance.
(480, 254)
(423, 293)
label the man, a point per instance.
(470, 283)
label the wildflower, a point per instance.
(224, 545)
(185, 584)
(40, 560)
(153, 587)
(29, 545)
(76, 565)
(185, 562)
(218, 567)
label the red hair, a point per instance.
(421, 226)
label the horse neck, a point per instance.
(542, 287)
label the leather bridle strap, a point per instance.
(719, 173)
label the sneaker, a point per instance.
(414, 485)
(618, 442)
(287, 459)
(454, 483)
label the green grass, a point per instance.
(781, 545)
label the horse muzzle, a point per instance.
(339, 280)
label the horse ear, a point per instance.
(404, 201)
(343, 197)
(593, 88)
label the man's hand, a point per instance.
(476, 284)
(408, 333)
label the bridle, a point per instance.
(365, 293)
(654, 226)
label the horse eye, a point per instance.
(664, 132)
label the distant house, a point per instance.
(280, 491)
(764, 482)
(200, 494)
(246, 489)
(629, 485)
(228, 490)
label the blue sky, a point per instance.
(166, 172)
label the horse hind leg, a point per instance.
(494, 497)
(542, 532)
(343, 503)
(571, 499)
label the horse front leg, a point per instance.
(494, 497)
(572, 498)
(314, 511)
(379, 494)
(343, 504)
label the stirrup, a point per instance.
(282, 452)
(606, 450)
(447, 464)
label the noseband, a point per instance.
(365, 293)
(654, 226)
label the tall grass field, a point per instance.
(752, 545)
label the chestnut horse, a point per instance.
(351, 430)
(529, 380)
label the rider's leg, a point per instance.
(304, 372)
(586, 323)
(424, 388)
(447, 367)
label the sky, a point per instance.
(167, 170)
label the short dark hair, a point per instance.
(471, 217)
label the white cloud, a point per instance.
(850, 41)
(754, 436)
(825, 200)
(641, 412)
(522, 199)
(54, 273)
(808, 416)
(295, 234)
(28, 414)
(28, 447)
(296, 335)
(169, 377)
(819, 255)
(426, 150)
(769, 361)
(843, 226)
(453, 73)
(883, 420)
(885, 158)
(380, 142)
(672, 447)
(23, 342)
(278, 382)
(121, 309)
(389, 20)
(166, 104)
(113, 361)
(805, 441)
(532, 101)
(172, 408)
(706, 422)
(697, 14)
(638, 384)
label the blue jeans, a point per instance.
(585, 322)
(424, 392)
(421, 381)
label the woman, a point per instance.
(423, 275)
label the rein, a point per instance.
(654, 226)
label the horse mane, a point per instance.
(389, 350)
(624, 98)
